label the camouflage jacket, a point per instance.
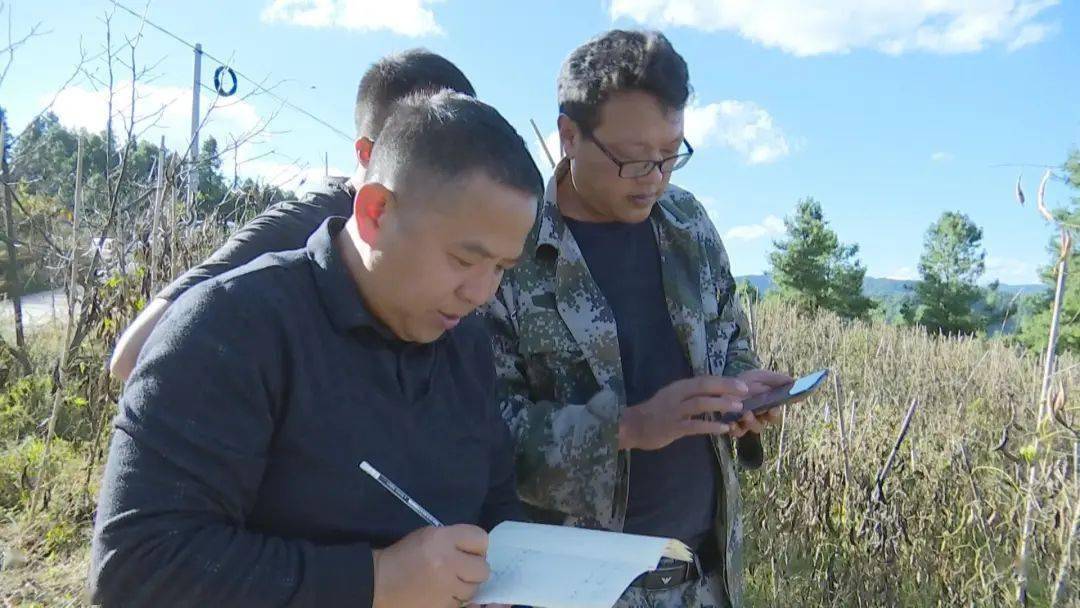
(560, 382)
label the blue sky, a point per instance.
(886, 111)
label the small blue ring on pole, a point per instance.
(217, 80)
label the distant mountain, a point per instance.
(884, 288)
(760, 282)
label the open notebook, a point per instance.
(561, 567)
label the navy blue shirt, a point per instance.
(233, 476)
(673, 489)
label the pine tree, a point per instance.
(812, 268)
(951, 264)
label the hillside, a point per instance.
(885, 288)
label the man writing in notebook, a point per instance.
(287, 225)
(619, 336)
(233, 476)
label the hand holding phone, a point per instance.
(792, 392)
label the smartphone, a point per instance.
(792, 392)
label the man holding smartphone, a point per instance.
(619, 337)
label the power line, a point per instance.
(259, 87)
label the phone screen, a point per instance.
(807, 383)
(790, 393)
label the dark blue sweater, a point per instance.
(233, 476)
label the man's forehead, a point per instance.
(476, 247)
(637, 103)
(640, 123)
(482, 250)
(476, 214)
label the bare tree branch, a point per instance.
(12, 44)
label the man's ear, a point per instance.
(369, 209)
(569, 136)
(363, 146)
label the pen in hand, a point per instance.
(399, 493)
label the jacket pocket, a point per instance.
(556, 366)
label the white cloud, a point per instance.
(1010, 271)
(941, 157)
(166, 110)
(1031, 34)
(742, 126)
(159, 110)
(838, 26)
(410, 18)
(904, 273)
(770, 226)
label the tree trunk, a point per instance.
(14, 288)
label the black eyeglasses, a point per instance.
(632, 169)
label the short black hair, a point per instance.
(621, 60)
(397, 76)
(450, 136)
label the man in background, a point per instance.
(288, 224)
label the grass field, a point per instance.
(943, 530)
